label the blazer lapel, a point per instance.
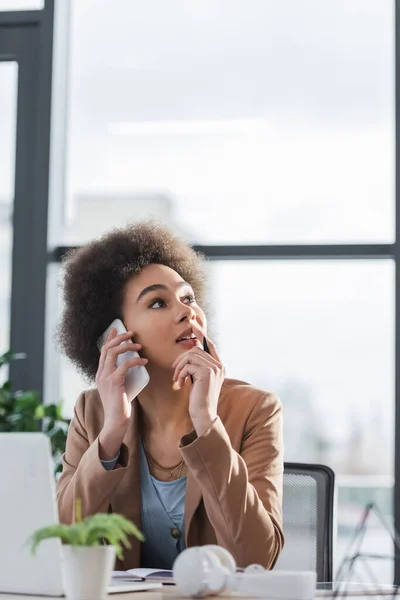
(192, 500)
(194, 496)
(127, 497)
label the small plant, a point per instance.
(90, 531)
(24, 411)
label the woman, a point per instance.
(196, 458)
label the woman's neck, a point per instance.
(164, 410)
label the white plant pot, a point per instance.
(87, 571)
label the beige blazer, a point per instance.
(234, 481)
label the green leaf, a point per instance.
(39, 412)
(51, 411)
(6, 358)
(59, 415)
(53, 531)
(112, 528)
(28, 399)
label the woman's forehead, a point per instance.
(153, 275)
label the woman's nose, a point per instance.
(186, 312)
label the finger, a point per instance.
(112, 340)
(177, 386)
(183, 360)
(194, 350)
(127, 364)
(113, 353)
(103, 351)
(213, 350)
(199, 362)
(187, 370)
(116, 340)
(194, 358)
(199, 331)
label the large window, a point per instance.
(231, 121)
(321, 335)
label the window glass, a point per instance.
(230, 122)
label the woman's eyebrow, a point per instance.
(158, 286)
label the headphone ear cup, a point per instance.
(199, 571)
(217, 573)
(190, 573)
(225, 557)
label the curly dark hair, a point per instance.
(94, 278)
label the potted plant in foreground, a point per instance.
(88, 562)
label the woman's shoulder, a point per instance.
(89, 409)
(246, 398)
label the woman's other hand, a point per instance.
(208, 374)
(110, 382)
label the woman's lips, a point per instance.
(190, 343)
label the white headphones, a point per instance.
(210, 570)
(204, 570)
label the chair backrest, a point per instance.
(308, 516)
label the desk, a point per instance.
(167, 593)
(355, 590)
(170, 592)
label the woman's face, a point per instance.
(160, 308)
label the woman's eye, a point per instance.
(158, 303)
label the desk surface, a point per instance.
(166, 593)
(170, 592)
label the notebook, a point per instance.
(151, 575)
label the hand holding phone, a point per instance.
(136, 377)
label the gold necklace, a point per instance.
(160, 467)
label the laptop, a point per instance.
(28, 502)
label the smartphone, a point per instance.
(137, 377)
(205, 346)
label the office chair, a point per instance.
(308, 517)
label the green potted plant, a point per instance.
(24, 411)
(88, 562)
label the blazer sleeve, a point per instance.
(83, 476)
(242, 492)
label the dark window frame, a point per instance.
(27, 38)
